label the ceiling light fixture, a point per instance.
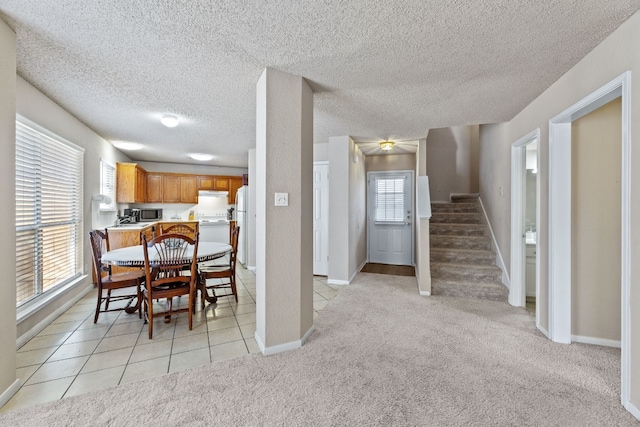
(129, 146)
(169, 120)
(201, 157)
(387, 145)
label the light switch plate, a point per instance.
(282, 199)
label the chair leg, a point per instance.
(95, 318)
(149, 310)
(106, 305)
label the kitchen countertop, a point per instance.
(140, 225)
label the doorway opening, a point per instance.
(390, 217)
(560, 219)
(525, 207)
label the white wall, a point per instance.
(618, 53)
(321, 152)
(8, 209)
(38, 108)
(347, 210)
(452, 161)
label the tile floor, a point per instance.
(74, 356)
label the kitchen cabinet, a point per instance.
(234, 184)
(220, 183)
(122, 237)
(171, 189)
(154, 188)
(206, 182)
(131, 182)
(188, 189)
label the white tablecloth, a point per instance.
(133, 256)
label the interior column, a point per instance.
(284, 211)
(8, 382)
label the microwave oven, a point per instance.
(150, 214)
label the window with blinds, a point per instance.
(108, 185)
(49, 176)
(389, 199)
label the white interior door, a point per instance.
(321, 219)
(390, 217)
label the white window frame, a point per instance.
(108, 185)
(45, 219)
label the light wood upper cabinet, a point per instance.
(234, 184)
(206, 182)
(188, 189)
(130, 183)
(221, 183)
(154, 188)
(171, 189)
(135, 185)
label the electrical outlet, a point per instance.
(282, 199)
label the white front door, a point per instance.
(390, 217)
(321, 219)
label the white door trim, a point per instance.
(517, 292)
(318, 268)
(560, 218)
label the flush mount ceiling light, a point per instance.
(129, 146)
(201, 157)
(169, 120)
(387, 145)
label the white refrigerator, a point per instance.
(242, 202)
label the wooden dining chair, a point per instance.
(225, 285)
(108, 282)
(183, 229)
(164, 259)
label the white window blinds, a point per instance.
(389, 199)
(49, 179)
(108, 184)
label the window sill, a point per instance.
(27, 310)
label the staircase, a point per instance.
(462, 261)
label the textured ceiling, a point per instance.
(379, 70)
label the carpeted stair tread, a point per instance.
(464, 198)
(460, 242)
(457, 218)
(463, 256)
(452, 229)
(494, 291)
(455, 207)
(471, 272)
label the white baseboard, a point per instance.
(24, 338)
(425, 293)
(251, 268)
(633, 409)
(10, 392)
(499, 261)
(596, 341)
(337, 282)
(267, 351)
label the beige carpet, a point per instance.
(381, 355)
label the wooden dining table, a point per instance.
(133, 256)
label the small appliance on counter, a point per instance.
(150, 215)
(230, 214)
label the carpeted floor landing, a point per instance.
(380, 355)
(395, 270)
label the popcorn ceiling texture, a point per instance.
(379, 70)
